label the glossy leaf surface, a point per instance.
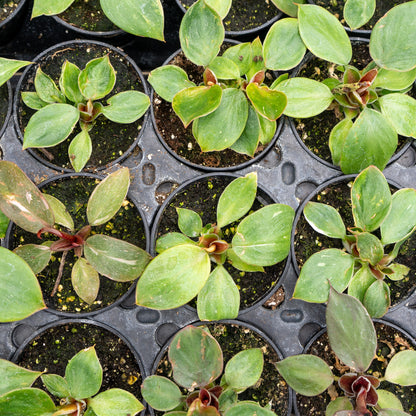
(161, 393)
(360, 282)
(248, 142)
(402, 368)
(68, 82)
(8, 67)
(79, 150)
(126, 107)
(189, 222)
(377, 299)
(115, 401)
(85, 280)
(49, 8)
(337, 139)
(370, 248)
(36, 256)
(47, 89)
(324, 219)
(289, 7)
(268, 103)
(358, 12)
(61, 214)
(26, 402)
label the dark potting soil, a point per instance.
(336, 7)
(202, 197)
(271, 387)
(307, 241)
(126, 225)
(7, 7)
(109, 140)
(4, 104)
(181, 139)
(88, 15)
(51, 351)
(389, 342)
(245, 14)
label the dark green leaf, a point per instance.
(248, 142)
(4, 223)
(79, 150)
(47, 89)
(267, 130)
(337, 139)
(68, 82)
(126, 107)
(377, 299)
(360, 282)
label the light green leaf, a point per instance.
(337, 139)
(247, 408)
(26, 402)
(377, 299)
(268, 103)
(15, 377)
(32, 100)
(171, 240)
(126, 107)
(399, 271)
(358, 12)
(36, 256)
(115, 402)
(79, 150)
(248, 142)
(8, 67)
(4, 223)
(402, 368)
(224, 68)
(161, 393)
(68, 82)
(49, 8)
(360, 282)
(85, 280)
(394, 80)
(61, 214)
(189, 222)
(222, 7)
(387, 400)
(369, 248)
(392, 412)
(47, 89)
(289, 7)
(324, 219)
(340, 403)
(240, 264)
(241, 55)
(256, 65)
(267, 130)
(56, 385)
(227, 399)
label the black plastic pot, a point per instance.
(27, 79)
(8, 89)
(9, 243)
(12, 24)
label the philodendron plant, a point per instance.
(39, 213)
(353, 339)
(382, 223)
(371, 104)
(138, 17)
(182, 270)
(76, 391)
(197, 363)
(58, 110)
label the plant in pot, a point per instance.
(141, 18)
(353, 339)
(76, 391)
(197, 362)
(182, 270)
(382, 223)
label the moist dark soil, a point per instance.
(7, 7)
(4, 104)
(245, 14)
(109, 140)
(51, 351)
(389, 342)
(271, 387)
(202, 197)
(336, 7)
(88, 15)
(126, 225)
(307, 241)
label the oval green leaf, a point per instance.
(171, 240)
(161, 393)
(32, 100)
(241, 55)
(47, 89)
(358, 12)
(49, 8)
(61, 214)
(189, 222)
(248, 142)
(36, 256)
(85, 280)
(369, 248)
(224, 68)
(340, 403)
(360, 282)
(377, 299)
(289, 7)
(394, 80)
(222, 7)
(248, 409)
(56, 385)
(337, 139)
(126, 107)
(26, 402)
(68, 82)
(268, 103)
(115, 402)
(402, 368)
(15, 377)
(8, 67)
(387, 400)
(79, 150)
(239, 264)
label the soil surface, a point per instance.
(7, 7)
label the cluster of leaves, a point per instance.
(182, 270)
(77, 391)
(197, 362)
(141, 18)
(60, 109)
(363, 264)
(35, 212)
(353, 339)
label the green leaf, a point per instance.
(84, 374)
(201, 33)
(36, 256)
(331, 265)
(68, 82)
(241, 55)
(392, 412)
(351, 331)
(283, 47)
(61, 214)
(26, 402)
(306, 374)
(47, 89)
(174, 277)
(32, 100)
(387, 400)
(248, 142)
(194, 102)
(189, 222)
(50, 125)
(324, 219)
(267, 130)
(337, 139)
(126, 107)
(168, 80)
(21, 200)
(224, 68)
(15, 377)
(377, 299)
(305, 97)
(171, 240)
(394, 80)
(268, 103)
(144, 18)
(248, 409)
(108, 196)
(323, 34)
(161, 393)
(385, 37)
(222, 7)
(399, 271)
(371, 199)
(227, 399)
(79, 150)
(116, 259)
(236, 199)
(340, 403)
(360, 282)
(257, 61)
(8, 67)
(196, 357)
(49, 8)
(219, 298)
(402, 368)
(115, 402)
(358, 12)
(224, 126)
(56, 385)
(240, 264)
(244, 369)
(289, 7)
(263, 238)
(400, 110)
(4, 223)
(97, 79)
(85, 280)
(369, 248)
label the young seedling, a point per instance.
(382, 223)
(38, 213)
(197, 363)
(353, 339)
(138, 17)
(76, 391)
(76, 101)
(182, 270)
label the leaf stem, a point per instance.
(60, 272)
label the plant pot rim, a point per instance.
(73, 315)
(237, 322)
(15, 12)
(55, 48)
(9, 108)
(183, 186)
(261, 155)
